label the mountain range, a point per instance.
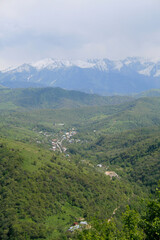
(100, 76)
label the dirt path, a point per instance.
(114, 212)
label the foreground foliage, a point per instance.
(30, 198)
(135, 226)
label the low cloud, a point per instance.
(34, 29)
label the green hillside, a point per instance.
(131, 154)
(43, 192)
(53, 98)
(143, 112)
(42, 199)
(26, 125)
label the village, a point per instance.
(59, 144)
(68, 137)
(57, 140)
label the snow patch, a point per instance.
(23, 68)
(29, 78)
(157, 74)
(127, 62)
(53, 82)
(118, 65)
(146, 71)
(83, 64)
(101, 65)
(9, 69)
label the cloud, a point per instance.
(35, 29)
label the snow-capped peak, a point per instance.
(42, 63)
(22, 68)
(138, 65)
(50, 63)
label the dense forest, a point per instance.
(79, 166)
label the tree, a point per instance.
(151, 221)
(131, 228)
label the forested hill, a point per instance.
(142, 112)
(41, 195)
(53, 98)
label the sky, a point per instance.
(78, 29)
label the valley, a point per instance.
(60, 164)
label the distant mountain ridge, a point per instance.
(149, 93)
(101, 76)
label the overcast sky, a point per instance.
(78, 29)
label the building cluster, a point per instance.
(70, 133)
(57, 144)
(80, 225)
(54, 144)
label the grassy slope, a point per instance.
(44, 198)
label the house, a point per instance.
(79, 226)
(73, 133)
(99, 165)
(75, 223)
(73, 228)
(83, 223)
(54, 148)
